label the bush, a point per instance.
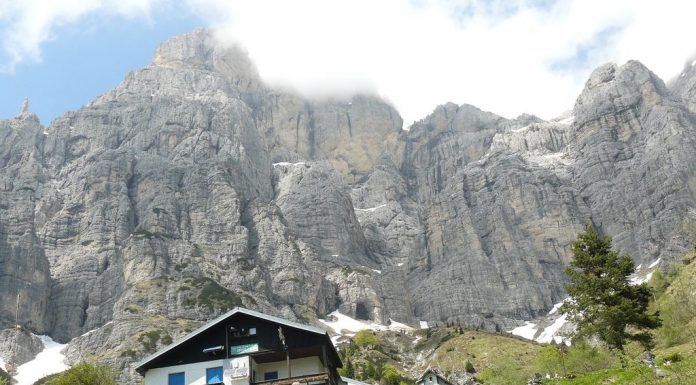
(582, 358)
(392, 376)
(4, 378)
(469, 367)
(347, 370)
(85, 373)
(45, 380)
(674, 357)
(369, 371)
(365, 338)
(212, 295)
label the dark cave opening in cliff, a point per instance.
(361, 312)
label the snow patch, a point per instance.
(527, 331)
(535, 332)
(654, 263)
(395, 325)
(549, 333)
(94, 330)
(49, 361)
(523, 129)
(423, 324)
(348, 326)
(555, 307)
(693, 63)
(418, 338)
(372, 208)
(569, 120)
(641, 275)
(335, 340)
(2, 365)
(377, 271)
(288, 164)
(638, 280)
(400, 264)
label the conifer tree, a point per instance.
(603, 303)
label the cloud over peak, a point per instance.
(508, 57)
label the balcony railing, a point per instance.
(306, 379)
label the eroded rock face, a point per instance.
(498, 215)
(24, 269)
(635, 164)
(192, 188)
(684, 85)
(18, 346)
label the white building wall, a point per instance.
(195, 373)
(298, 367)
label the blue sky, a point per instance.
(505, 56)
(84, 61)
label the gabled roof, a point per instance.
(216, 321)
(434, 371)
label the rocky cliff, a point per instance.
(193, 187)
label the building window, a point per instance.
(176, 379)
(213, 375)
(270, 375)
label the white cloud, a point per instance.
(26, 24)
(508, 57)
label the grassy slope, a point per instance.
(497, 358)
(501, 359)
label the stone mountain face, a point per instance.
(193, 187)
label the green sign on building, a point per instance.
(244, 349)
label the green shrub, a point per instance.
(347, 370)
(366, 338)
(582, 358)
(133, 308)
(390, 375)
(150, 338)
(674, 357)
(469, 367)
(212, 295)
(4, 378)
(45, 380)
(369, 371)
(129, 353)
(85, 373)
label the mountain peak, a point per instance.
(202, 49)
(611, 89)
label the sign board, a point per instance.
(237, 372)
(244, 349)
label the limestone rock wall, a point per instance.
(193, 187)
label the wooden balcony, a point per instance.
(307, 379)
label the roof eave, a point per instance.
(139, 366)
